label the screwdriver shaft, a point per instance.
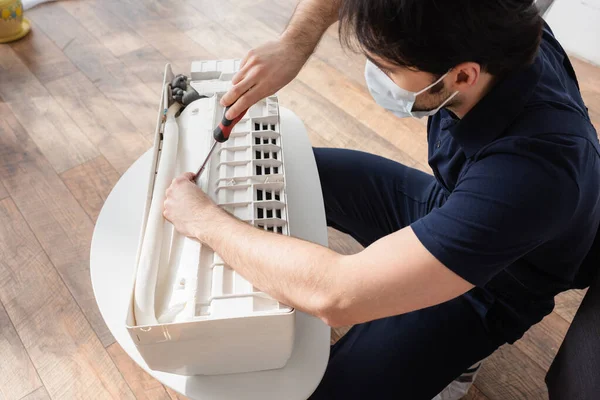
(220, 134)
(201, 169)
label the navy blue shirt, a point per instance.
(521, 172)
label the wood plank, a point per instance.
(55, 134)
(141, 383)
(103, 124)
(343, 243)
(334, 125)
(71, 361)
(567, 303)
(220, 10)
(90, 184)
(113, 33)
(175, 45)
(179, 14)
(542, 341)
(219, 41)
(315, 138)
(40, 394)
(173, 395)
(475, 394)
(161, 32)
(111, 132)
(130, 95)
(250, 30)
(18, 376)
(122, 41)
(46, 61)
(149, 65)
(43, 57)
(349, 63)
(338, 333)
(3, 192)
(588, 75)
(62, 227)
(273, 13)
(509, 374)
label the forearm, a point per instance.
(310, 20)
(301, 274)
(392, 276)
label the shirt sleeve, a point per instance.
(503, 207)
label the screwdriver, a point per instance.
(220, 134)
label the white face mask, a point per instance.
(395, 99)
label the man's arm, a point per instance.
(394, 275)
(309, 22)
(268, 68)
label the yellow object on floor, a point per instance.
(12, 24)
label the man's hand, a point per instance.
(269, 67)
(188, 208)
(263, 71)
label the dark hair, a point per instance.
(435, 35)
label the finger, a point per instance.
(243, 103)
(243, 72)
(189, 176)
(182, 178)
(249, 54)
(238, 90)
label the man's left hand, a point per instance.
(188, 208)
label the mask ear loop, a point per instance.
(447, 101)
(433, 84)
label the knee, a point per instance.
(335, 164)
(329, 166)
(323, 158)
(333, 185)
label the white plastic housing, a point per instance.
(210, 319)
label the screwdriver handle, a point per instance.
(223, 130)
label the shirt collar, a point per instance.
(489, 118)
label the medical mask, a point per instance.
(395, 99)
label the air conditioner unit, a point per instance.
(190, 313)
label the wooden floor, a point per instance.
(79, 98)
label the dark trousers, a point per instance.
(411, 356)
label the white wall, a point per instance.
(576, 24)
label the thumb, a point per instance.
(189, 176)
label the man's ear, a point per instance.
(465, 75)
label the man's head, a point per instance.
(415, 42)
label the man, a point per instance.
(455, 264)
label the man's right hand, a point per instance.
(263, 71)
